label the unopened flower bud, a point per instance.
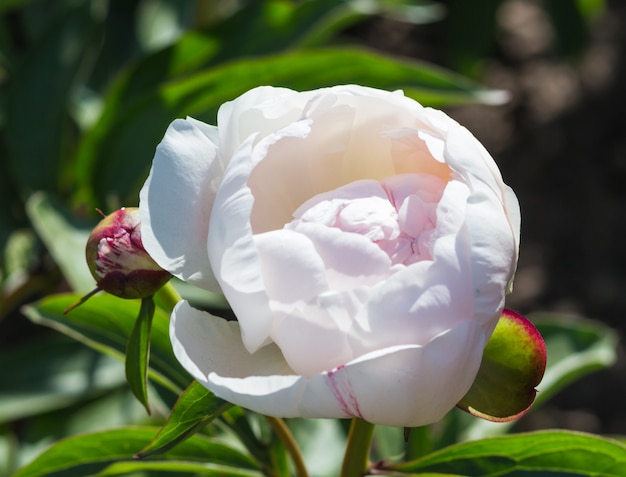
(117, 259)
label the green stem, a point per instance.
(419, 443)
(356, 458)
(167, 296)
(285, 435)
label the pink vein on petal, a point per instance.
(342, 390)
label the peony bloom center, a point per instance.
(399, 214)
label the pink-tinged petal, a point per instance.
(176, 202)
(350, 260)
(430, 296)
(513, 365)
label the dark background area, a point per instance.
(561, 145)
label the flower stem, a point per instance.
(288, 440)
(167, 296)
(356, 458)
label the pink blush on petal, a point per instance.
(342, 390)
(398, 214)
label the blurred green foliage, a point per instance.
(87, 89)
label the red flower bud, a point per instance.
(117, 259)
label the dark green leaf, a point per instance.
(10, 4)
(576, 347)
(138, 352)
(92, 453)
(467, 52)
(37, 98)
(196, 407)
(104, 323)
(541, 454)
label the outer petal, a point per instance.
(203, 342)
(398, 386)
(233, 253)
(176, 201)
(260, 112)
(492, 219)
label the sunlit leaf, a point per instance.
(53, 374)
(64, 237)
(104, 323)
(541, 454)
(196, 407)
(89, 454)
(197, 469)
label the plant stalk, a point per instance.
(356, 457)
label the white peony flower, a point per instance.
(365, 244)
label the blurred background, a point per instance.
(87, 88)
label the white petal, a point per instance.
(411, 385)
(233, 253)
(292, 269)
(204, 343)
(176, 201)
(399, 386)
(494, 253)
(259, 111)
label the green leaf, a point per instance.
(541, 454)
(89, 454)
(576, 347)
(513, 364)
(104, 323)
(7, 5)
(65, 238)
(196, 407)
(53, 374)
(37, 98)
(176, 468)
(138, 352)
(118, 150)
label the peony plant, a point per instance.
(364, 242)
